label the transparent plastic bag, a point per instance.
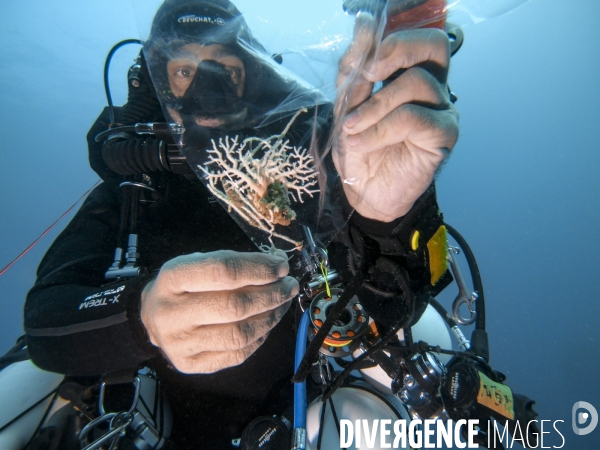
(247, 121)
(257, 133)
(367, 171)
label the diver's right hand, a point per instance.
(210, 311)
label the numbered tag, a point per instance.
(495, 396)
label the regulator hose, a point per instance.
(443, 313)
(106, 69)
(479, 338)
(300, 388)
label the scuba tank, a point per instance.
(372, 397)
(26, 396)
(42, 409)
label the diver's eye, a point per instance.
(181, 72)
(185, 73)
(235, 73)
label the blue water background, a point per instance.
(522, 184)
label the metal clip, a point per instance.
(136, 397)
(177, 128)
(157, 128)
(324, 370)
(299, 439)
(116, 431)
(464, 296)
(118, 422)
(317, 254)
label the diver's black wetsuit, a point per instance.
(72, 335)
(79, 325)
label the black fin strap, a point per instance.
(312, 352)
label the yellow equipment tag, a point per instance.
(495, 396)
(438, 249)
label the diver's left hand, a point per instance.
(392, 143)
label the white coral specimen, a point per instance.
(257, 178)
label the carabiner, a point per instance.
(136, 397)
(460, 300)
(114, 434)
(315, 253)
(118, 422)
(324, 370)
(464, 296)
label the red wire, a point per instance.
(48, 229)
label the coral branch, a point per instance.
(258, 178)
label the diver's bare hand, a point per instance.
(392, 143)
(209, 311)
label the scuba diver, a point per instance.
(153, 272)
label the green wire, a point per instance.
(325, 272)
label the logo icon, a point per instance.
(191, 18)
(582, 417)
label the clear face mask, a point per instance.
(207, 83)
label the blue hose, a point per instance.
(300, 388)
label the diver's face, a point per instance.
(182, 68)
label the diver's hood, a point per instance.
(215, 21)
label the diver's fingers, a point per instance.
(361, 47)
(210, 362)
(416, 85)
(434, 132)
(427, 47)
(196, 309)
(353, 88)
(220, 270)
(192, 341)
